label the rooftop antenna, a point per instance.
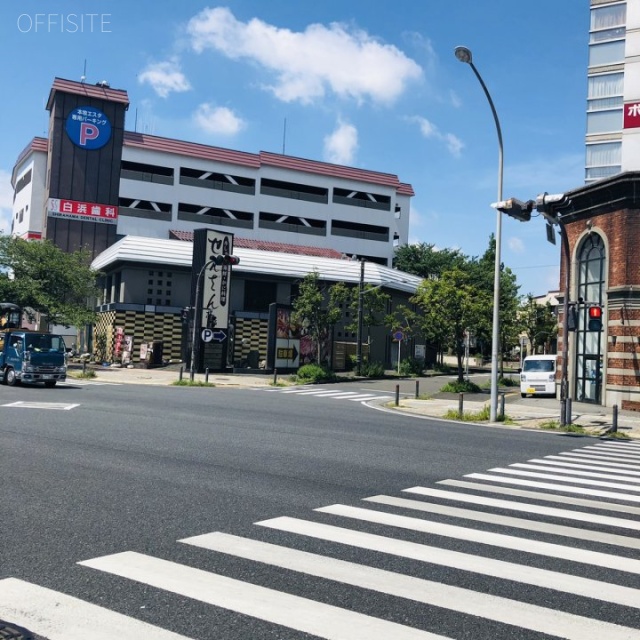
(83, 77)
(284, 136)
(135, 125)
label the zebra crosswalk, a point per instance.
(330, 394)
(546, 548)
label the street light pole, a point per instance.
(464, 55)
(360, 320)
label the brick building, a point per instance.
(601, 223)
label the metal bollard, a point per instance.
(563, 413)
(417, 389)
(275, 376)
(84, 366)
(461, 405)
(397, 395)
(569, 417)
(180, 374)
(206, 375)
(614, 426)
(501, 406)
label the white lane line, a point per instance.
(294, 612)
(546, 497)
(593, 464)
(614, 452)
(559, 478)
(514, 543)
(571, 472)
(508, 521)
(554, 487)
(363, 397)
(519, 573)
(57, 406)
(527, 507)
(318, 392)
(504, 610)
(601, 459)
(57, 616)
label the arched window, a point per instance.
(591, 286)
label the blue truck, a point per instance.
(29, 356)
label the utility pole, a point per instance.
(360, 320)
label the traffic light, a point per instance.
(226, 258)
(185, 314)
(517, 208)
(595, 318)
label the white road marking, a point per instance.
(525, 545)
(60, 617)
(547, 497)
(527, 507)
(504, 610)
(508, 521)
(294, 612)
(520, 573)
(554, 487)
(24, 404)
(572, 472)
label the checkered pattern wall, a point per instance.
(251, 334)
(142, 327)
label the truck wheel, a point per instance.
(10, 377)
(524, 395)
(50, 383)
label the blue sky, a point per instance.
(367, 84)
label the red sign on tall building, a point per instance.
(632, 115)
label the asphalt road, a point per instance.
(116, 476)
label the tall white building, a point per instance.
(613, 97)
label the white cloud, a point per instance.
(307, 64)
(218, 120)
(429, 130)
(165, 77)
(516, 245)
(341, 145)
(6, 201)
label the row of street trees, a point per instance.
(454, 298)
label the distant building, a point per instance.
(134, 200)
(613, 97)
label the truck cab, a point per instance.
(32, 356)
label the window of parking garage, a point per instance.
(213, 215)
(220, 181)
(357, 230)
(294, 190)
(146, 172)
(362, 199)
(293, 224)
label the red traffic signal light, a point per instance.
(226, 258)
(595, 318)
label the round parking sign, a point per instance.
(88, 127)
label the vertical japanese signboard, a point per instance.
(215, 280)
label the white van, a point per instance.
(538, 376)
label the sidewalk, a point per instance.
(594, 418)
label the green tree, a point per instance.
(538, 322)
(450, 306)
(425, 261)
(374, 304)
(41, 278)
(316, 308)
(482, 272)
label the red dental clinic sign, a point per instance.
(84, 211)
